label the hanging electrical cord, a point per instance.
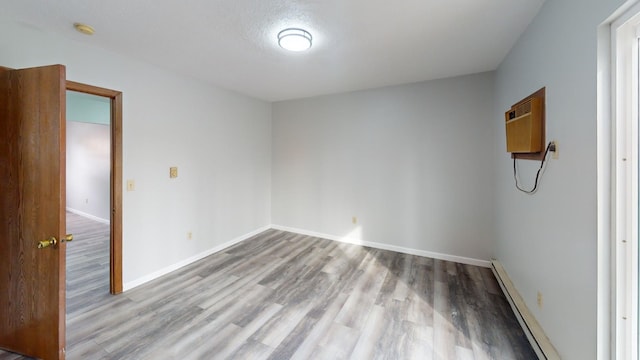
(550, 147)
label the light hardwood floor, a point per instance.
(281, 295)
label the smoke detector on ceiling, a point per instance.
(84, 28)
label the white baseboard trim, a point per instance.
(400, 249)
(88, 216)
(536, 336)
(156, 274)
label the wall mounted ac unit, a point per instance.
(524, 126)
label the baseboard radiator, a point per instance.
(539, 341)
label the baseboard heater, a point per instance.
(539, 341)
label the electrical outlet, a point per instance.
(189, 235)
(354, 220)
(131, 185)
(556, 153)
(540, 300)
(173, 172)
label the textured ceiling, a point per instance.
(358, 44)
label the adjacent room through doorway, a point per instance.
(88, 198)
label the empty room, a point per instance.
(319, 179)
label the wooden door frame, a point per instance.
(115, 248)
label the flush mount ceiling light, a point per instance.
(294, 39)
(84, 28)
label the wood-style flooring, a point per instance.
(281, 295)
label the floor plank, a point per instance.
(281, 295)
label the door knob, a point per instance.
(53, 241)
(46, 243)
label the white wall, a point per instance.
(88, 169)
(220, 141)
(413, 163)
(547, 242)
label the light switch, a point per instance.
(131, 185)
(173, 172)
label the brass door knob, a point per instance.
(46, 243)
(53, 241)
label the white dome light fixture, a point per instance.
(294, 39)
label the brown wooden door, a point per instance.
(32, 208)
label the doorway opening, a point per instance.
(114, 211)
